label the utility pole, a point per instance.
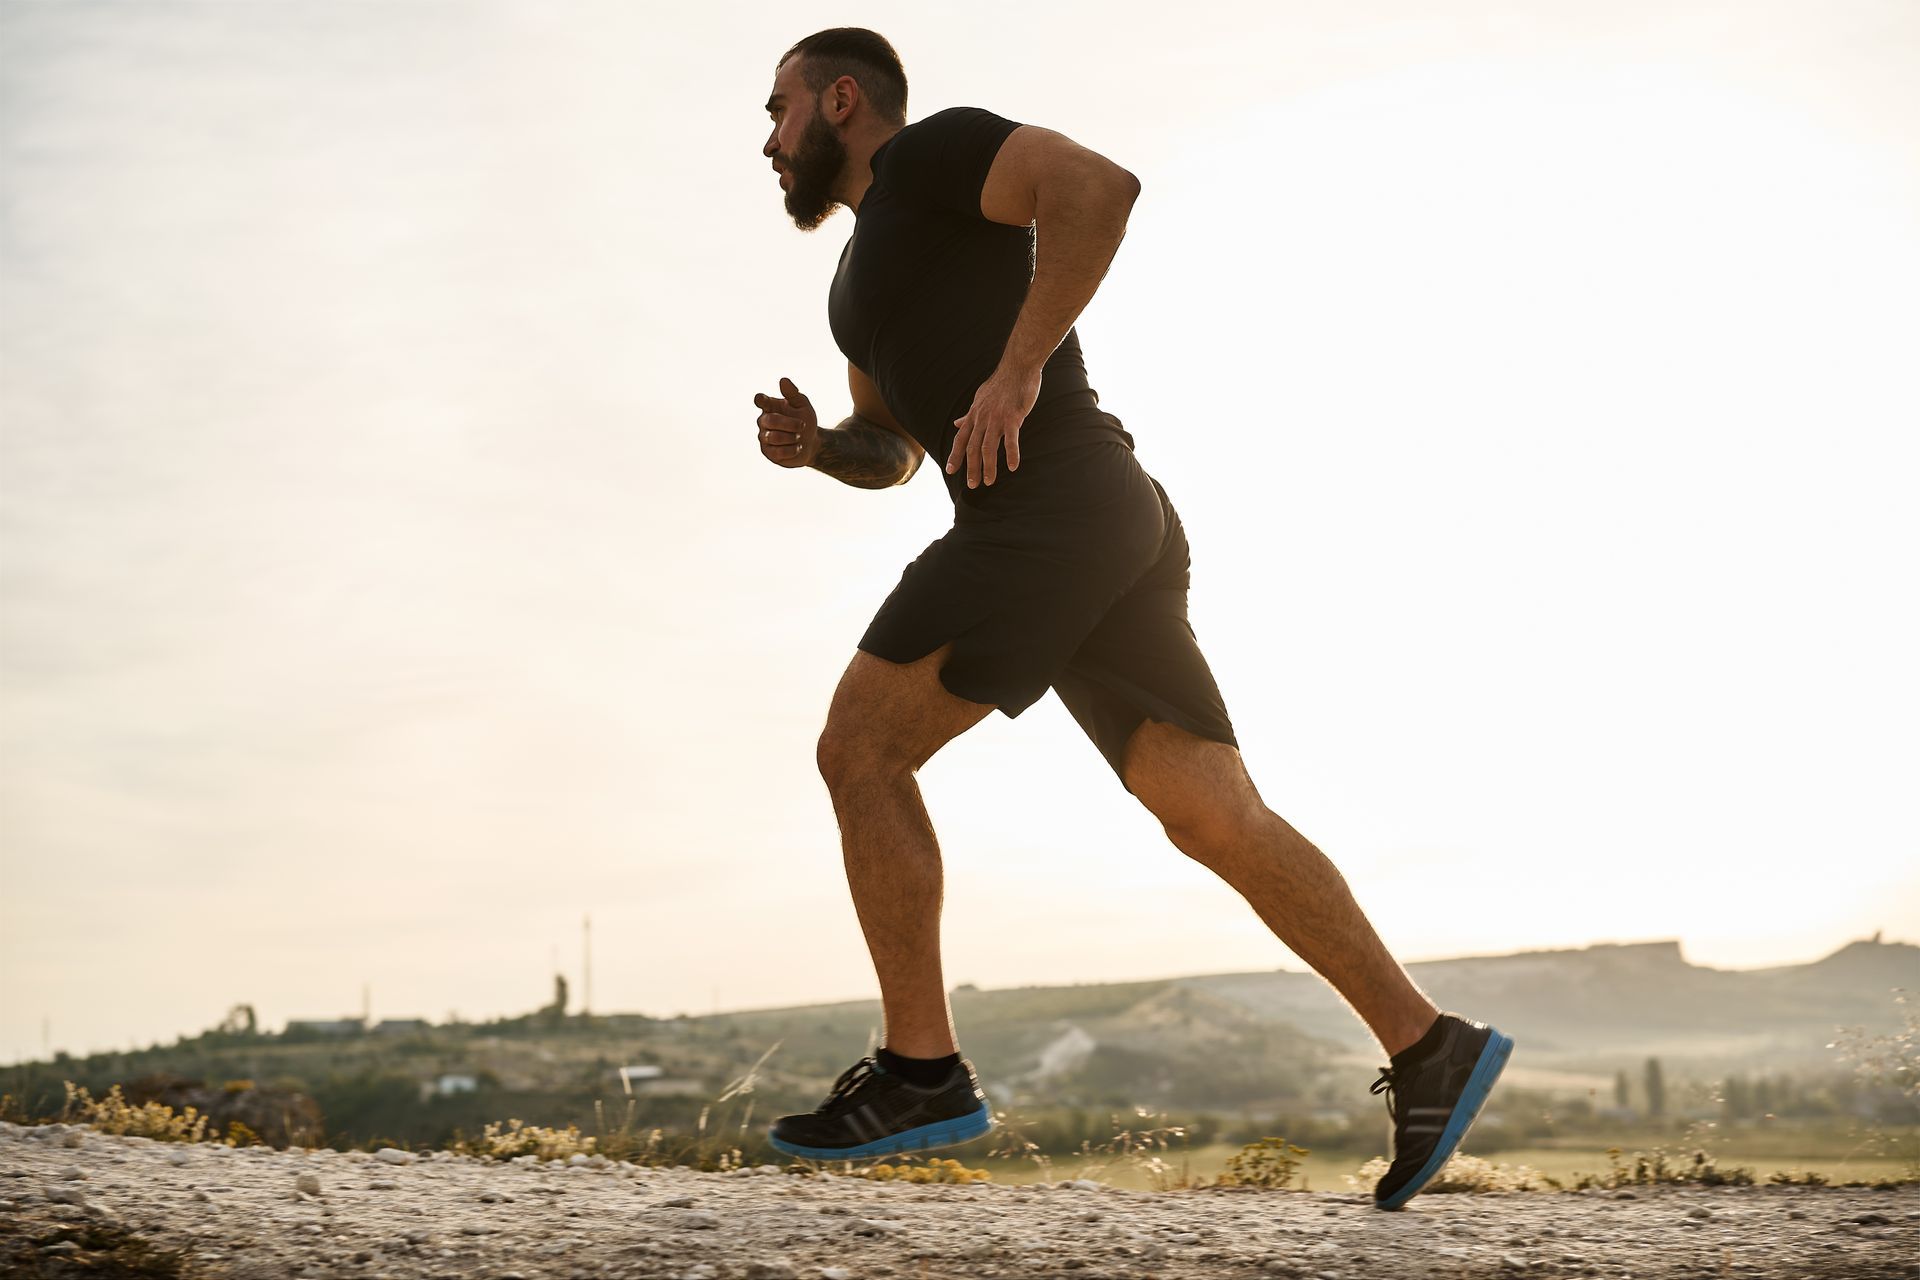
(586, 964)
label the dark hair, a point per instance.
(866, 56)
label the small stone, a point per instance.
(835, 1273)
(1517, 1264)
(308, 1184)
(67, 1195)
(394, 1155)
(55, 1250)
(770, 1269)
(1184, 1237)
(699, 1220)
(383, 1186)
(1625, 1195)
(1873, 1220)
(177, 1158)
(1086, 1184)
(1699, 1211)
(71, 1138)
(418, 1237)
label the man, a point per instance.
(977, 241)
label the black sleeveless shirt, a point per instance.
(928, 289)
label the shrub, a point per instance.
(1269, 1163)
(1652, 1169)
(933, 1171)
(505, 1142)
(113, 1114)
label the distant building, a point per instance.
(448, 1083)
(329, 1026)
(402, 1027)
(651, 1079)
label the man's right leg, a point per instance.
(886, 720)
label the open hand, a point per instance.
(789, 432)
(1000, 406)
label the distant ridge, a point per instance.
(1580, 1009)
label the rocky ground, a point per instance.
(75, 1202)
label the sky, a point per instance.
(390, 581)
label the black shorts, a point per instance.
(1070, 573)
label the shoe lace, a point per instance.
(1386, 1084)
(850, 1080)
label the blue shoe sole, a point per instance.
(1492, 1061)
(944, 1133)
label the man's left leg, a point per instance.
(1443, 1065)
(1204, 799)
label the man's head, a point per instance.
(838, 90)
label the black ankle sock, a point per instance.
(920, 1071)
(1425, 1044)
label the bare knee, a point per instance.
(1212, 833)
(848, 756)
(887, 719)
(1198, 789)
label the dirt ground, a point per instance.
(75, 1202)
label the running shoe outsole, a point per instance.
(1486, 1070)
(926, 1137)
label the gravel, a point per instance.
(256, 1213)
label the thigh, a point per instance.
(1015, 597)
(1143, 665)
(901, 712)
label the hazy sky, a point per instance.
(391, 577)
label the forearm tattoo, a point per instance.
(865, 454)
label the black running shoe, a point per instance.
(872, 1112)
(1433, 1102)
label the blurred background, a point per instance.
(392, 582)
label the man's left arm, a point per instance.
(1078, 202)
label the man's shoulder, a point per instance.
(952, 120)
(950, 115)
(941, 160)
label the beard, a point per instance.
(815, 167)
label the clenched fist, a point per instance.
(789, 433)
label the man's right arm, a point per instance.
(862, 453)
(869, 449)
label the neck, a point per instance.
(860, 170)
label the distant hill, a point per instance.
(1264, 1038)
(1597, 1007)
